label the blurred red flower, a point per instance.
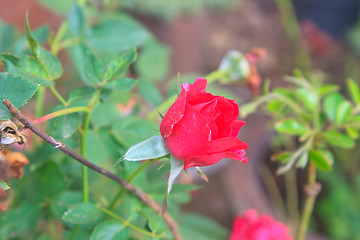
(201, 129)
(251, 226)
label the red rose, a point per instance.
(254, 227)
(201, 129)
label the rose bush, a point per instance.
(251, 226)
(201, 129)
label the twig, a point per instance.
(312, 189)
(146, 199)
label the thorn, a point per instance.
(202, 175)
(57, 144)
(160, 115)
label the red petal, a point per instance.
(188, 135)
(173, 115)
(210, 159)
(235, 128)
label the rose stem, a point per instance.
(312, 189)
(146, 199)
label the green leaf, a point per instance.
(286, 93)
(77, 54)
(352, 132)
(40, 34)
(151, 148)
(120, 64)
(150, 93)
(93, 69)
(309, 98)
(58, 6)
(50, 180)
(153, 62)
(331, 103)
(327, 89)
(76, 20)
(81, 93)
(33, 66)
(282, 157)
(6, 36)
(51, 64)
(354, 91)
(336, 138)
(63, 202)
(33, 44)
(82, 213)
(20, 222)
(64, 127)
(110, 230)
(155, 223)
(343, 112)
(321, 160)
(303, 160)
(3, 185)
(133, 130)
(121, 84)
(101, 147)
(291, 126)
(47, 66)
(193, 226)
(274, 106)
(13, 66)
(116, 34)
(18, 90)
(176, 168)
(105, 114)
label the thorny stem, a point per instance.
(146, 199)
(312, 189)
(132, 177)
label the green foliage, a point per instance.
(6, 36)
(17, 89)
(317, 114)
(20, 222)
(100, 114)
(111, 230)
(151, 148)
(82, 213)
(193, 226)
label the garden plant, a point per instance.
(99, 160)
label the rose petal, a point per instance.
(235, 128)
(209, 112)
(210, 159)
(199, 86)
(223, 145)
(173, 115)
(229, 113)
(188, 135)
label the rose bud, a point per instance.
(201, 129)
(251, 226)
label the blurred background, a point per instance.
(193, 38)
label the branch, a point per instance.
(146, 199)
